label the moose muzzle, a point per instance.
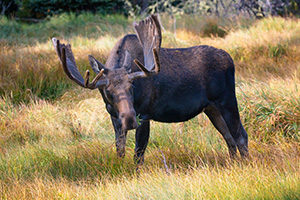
(128, 120)
(127, 114)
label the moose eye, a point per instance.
(109, 96)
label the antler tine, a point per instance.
(142, 67)
(57, 47)
(145, 72)
(156, 70)
(97, 78)
(94, 84)
(87, 78)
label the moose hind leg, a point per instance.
(237, 130)
(218, 121)
(231, 115)
(242, 141)
(141, 142)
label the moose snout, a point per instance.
(128, 120)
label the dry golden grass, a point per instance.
(265, 176)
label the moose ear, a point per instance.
(149, 34)
(127, 61)
(96, 65)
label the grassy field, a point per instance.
(57, 142)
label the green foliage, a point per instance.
(277, 51)
(43, 8)
(8, 27)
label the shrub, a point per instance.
(43, 8)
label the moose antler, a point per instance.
(149, 34)
(67, 60)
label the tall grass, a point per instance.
(206, 183)
(57, 142)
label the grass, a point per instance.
(57, 142)
(206, 183)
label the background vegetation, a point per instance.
(57, 142)
(32, 10)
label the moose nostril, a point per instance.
(128, 120)
(131, 123)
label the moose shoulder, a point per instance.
(160, 84)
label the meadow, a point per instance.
(57, 142)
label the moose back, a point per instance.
(161, 84)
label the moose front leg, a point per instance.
(120, 136)
(141, 142)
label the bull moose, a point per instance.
(167, 85)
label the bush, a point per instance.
(43, 8)
(8, 7)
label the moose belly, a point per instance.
(178, 111)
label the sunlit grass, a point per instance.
(256, 179)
